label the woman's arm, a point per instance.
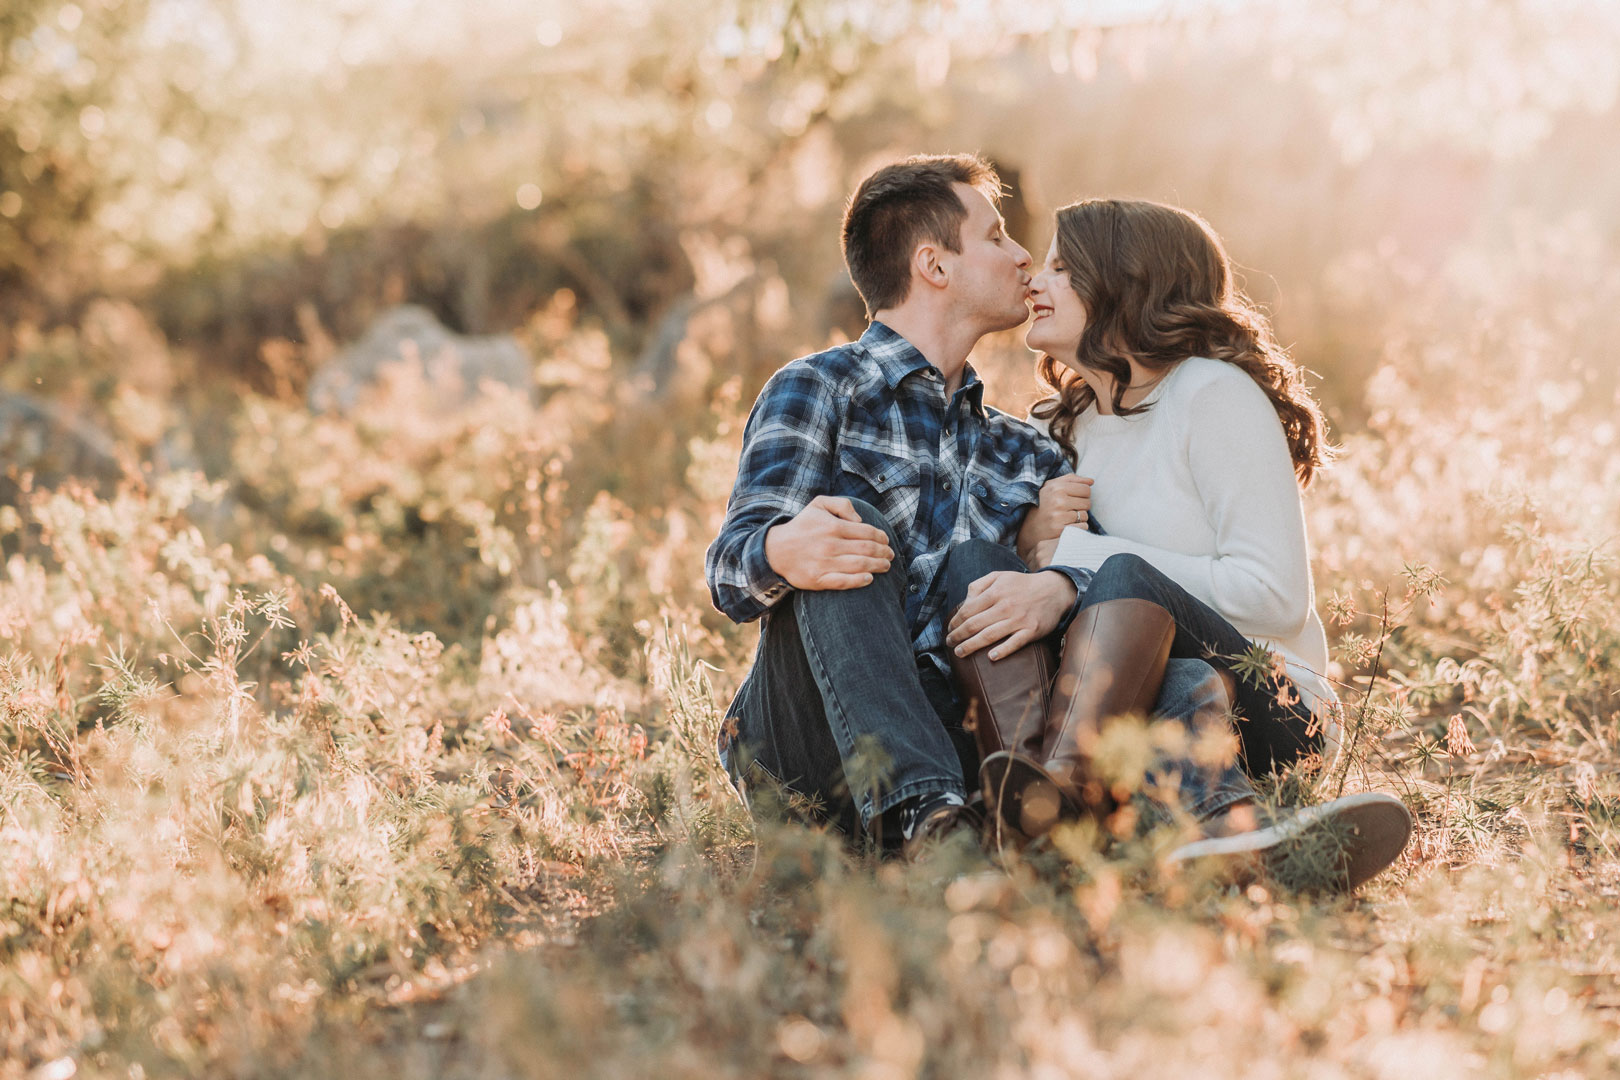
(1259, 578)
(1065, 500)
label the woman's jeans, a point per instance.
(840, 714)
(1274, 726)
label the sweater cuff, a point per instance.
(1079, 579)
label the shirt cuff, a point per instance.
(1079, 579)
(764, 584)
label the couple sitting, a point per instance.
(952, 611)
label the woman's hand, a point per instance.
(1040, 557)
(1065, 501)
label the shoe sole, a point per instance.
(1022, 796)
(1372, 830)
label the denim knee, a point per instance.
(971, 560)
(1125, 577)
(874, 517)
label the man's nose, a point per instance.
(1024, 261)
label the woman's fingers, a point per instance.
(1070, 503)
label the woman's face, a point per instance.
(1059, 316)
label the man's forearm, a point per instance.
(742, 583)
(1077, 579)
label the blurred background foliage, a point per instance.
(224, 163)
(204, 204)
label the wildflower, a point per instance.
(1458, 744)
(345, 613)
(1341, 609)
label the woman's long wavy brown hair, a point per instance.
(1157, 286)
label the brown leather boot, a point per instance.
(1007, 698)
(1007, 702)
(1113, 663)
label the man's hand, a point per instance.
(1065, 501)
(827, 546)
(1011, 608)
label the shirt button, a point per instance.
(947, 485)
(912, 587)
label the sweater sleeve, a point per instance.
(1259, 577)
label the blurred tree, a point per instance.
(58, 67)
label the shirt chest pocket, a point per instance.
(998, 508)
(888, 482)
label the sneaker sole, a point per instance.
(1374, 829)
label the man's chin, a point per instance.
(1013, 322)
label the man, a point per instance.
(862, 467)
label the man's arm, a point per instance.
(780, 531)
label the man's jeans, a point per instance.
(839, 711)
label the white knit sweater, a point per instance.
(1202, 486)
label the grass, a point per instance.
(403, 768)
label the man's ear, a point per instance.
(927, 264)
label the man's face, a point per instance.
(990, 275)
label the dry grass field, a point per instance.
(251, 828)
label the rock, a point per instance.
(408, 348)
(39, 437)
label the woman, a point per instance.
(1169, 389)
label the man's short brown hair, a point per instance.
(901, 206)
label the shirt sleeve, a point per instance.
(1259, 577)
(786, 461)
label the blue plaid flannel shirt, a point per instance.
(869, 420)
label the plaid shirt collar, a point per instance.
(896, 358)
